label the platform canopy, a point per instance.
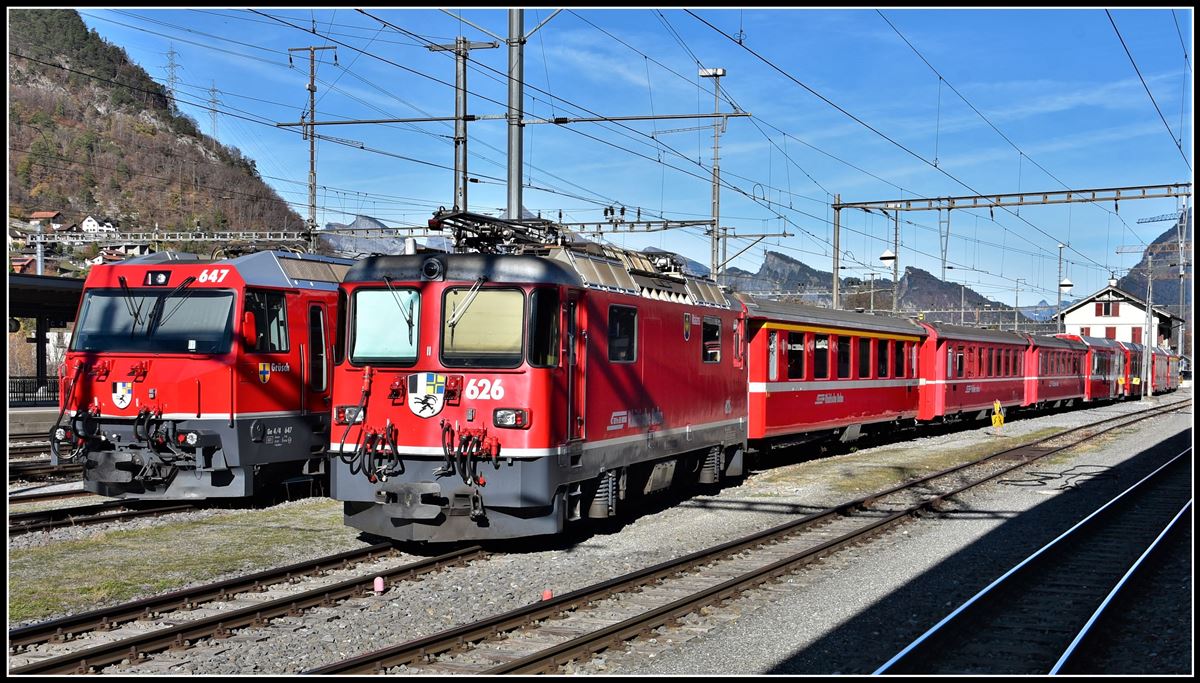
(44, 296)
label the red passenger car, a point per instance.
(485, 396)
(1163, 371)
(1103, 365)
(817, 372)
(1130, 380)
(1054, 371)
(965, 370)
(192, 379)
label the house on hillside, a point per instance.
(91, 225)
(27, 265)
(16, 239)
(130, 249)
(106, 257)
(1113, 313)
(48, 220)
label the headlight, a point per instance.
(511, 418)
(345, 415)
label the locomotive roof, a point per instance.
(592, 266)
(959, 332)
(803, 313)
(465, 267)
(266, 268)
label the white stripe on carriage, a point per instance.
(528, 453)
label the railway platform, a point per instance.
(29, 420)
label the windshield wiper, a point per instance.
(156, 319)
(459, 312)
(387, 280)
(134, 311)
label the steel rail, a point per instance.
(219, 625)
(66, 627)
(1087, 630)
(40, 470)
(43, 496)
(906, 654)
(546, 661)
(452, 639)
(88, 515)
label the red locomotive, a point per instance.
(489, 395)
(509, 393)
(194, 379)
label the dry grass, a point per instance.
(868, 471)
(116, 566)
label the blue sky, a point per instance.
(1057, 83)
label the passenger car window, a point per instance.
(864, 358)
(843, 354)
(795, 355)
(821, 357)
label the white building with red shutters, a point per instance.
(1116, 314)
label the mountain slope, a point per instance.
(90, 133)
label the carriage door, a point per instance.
(317, 372)
(576, 345)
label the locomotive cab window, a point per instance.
(543, 328)
(622, 334)
(270, 317)
(191, 320)
(385, 326)
(482, 328)
(711, 348)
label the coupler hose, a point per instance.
(362, 403)
(75, 452)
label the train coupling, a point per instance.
(427, 501)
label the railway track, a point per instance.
(623, 607)
(1007, 627)
(40, 468)
(25, 450)
(541, 637)
(220, 622)
(88, 515)
(43, 496)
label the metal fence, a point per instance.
(25, 392)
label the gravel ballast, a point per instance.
(826, 619)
